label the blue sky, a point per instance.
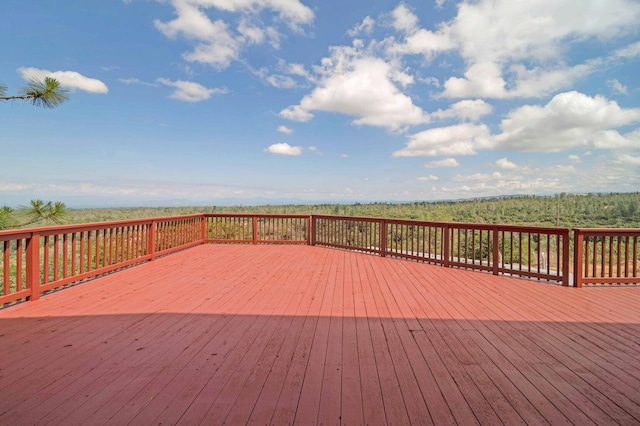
(211, 102)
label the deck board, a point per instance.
(241, 334)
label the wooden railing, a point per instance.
(539, 253)
(41, 259)
(606, 256)
(36, 260)
(257, 228)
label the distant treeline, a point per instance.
(620, 210)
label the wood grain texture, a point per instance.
(276, 334)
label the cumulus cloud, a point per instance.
(462, 139)
(358, 84)
(447, 162)
(68, 79)
(189, 91)
(504, 163)
(430, 178)
(486, 79)
(284, 149)
(215, 41)
(508, 56)
(629, 159)
(570, 119)
(403, 19)
(296, 113)
(285, 129)
(465, 110)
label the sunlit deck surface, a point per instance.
(241, 334)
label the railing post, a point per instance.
(255, 230)
(151, 241)
(446, 239)
(203, 229)
(578, 255)
(565, 258)
(383, 238)
(33, 266)
(311, 228)
(496, 252)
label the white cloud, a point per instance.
(136, 81)
(517, 48)
(251, 34)
(285, 129)
(486, 80)
(68, 79)
(574, 158)
(215, 42)
(355, 83)
(504, 163)
(430, 178)
(629, 159)
(617, 87)
(284, 149)
(364, 27)
(189, 91)
(569, 120)
(296, 113)
(426, 43)
(465, 110)
(281, 81)
(629, 51)
(447, 162)
(299, 70)
(478, 177)
(403, 19)
(543, 35)
(461, 139)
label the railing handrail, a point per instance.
(42, 230)
(524, 228)
(607, 230)
(261, 215)
(78, 227)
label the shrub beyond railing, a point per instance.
(40, 259)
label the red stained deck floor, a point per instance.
(297, 334)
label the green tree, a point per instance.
(40, 212)
(47, 93)
(6, 220)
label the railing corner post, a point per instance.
(578, 255)
(255, 229)
(446, 239)
(203, 228)
(383, 238)
(151, 242)
(33, 266)
(496, 252)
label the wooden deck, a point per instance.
(298, 334)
